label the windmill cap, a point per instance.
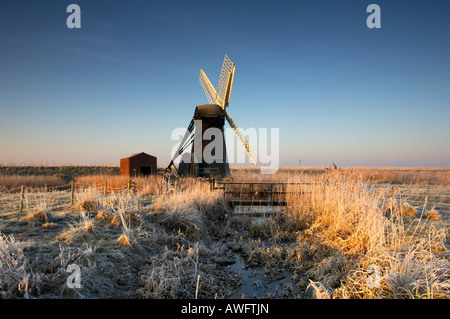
(208, 110)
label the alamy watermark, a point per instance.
(374, 279)
(74, 280)
(265, 142)
(374, 19)
(74, 19)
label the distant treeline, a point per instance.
(66, 172)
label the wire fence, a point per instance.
(62, 195)
(65, 195)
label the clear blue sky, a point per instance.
(337, 90)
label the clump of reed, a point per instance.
(15, 182)
(17, 279)
(38, 206)
(41, 215)
(87, 205)
(406, 175)
(191, 210)
(432, 214)
(344, 214)
(392, 208)
(177, 274)
(79, 229)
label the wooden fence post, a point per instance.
(271, 190)
(21, 199)
(72, 186)
(252, 193)
(106, 187)
(225, 192)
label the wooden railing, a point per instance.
(255, 193)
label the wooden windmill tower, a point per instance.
(212, 115)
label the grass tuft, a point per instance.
(41, 215)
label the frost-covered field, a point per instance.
(341, 236)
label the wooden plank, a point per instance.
(275, 196)
(260, 193)
(256, 203)
(262, 183)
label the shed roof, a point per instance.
(137, 154)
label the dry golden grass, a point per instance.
(189, 210)
(87, 206)
(124, 240)
(333, 233)
(39, 215)
(17, 279)
(81, 228)
(115, 183)
(393, 175)
(103, 215)
(433, 215)
(346, 228)
(14, 182)
(115, 221)
(407, 175)
(344, 214)
(391, 208)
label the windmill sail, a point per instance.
(245, 143)
(225, 82)
(228, 92)
(221, 97)
(210, 91)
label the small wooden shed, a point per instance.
(141, 164)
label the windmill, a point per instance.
(212, 115)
